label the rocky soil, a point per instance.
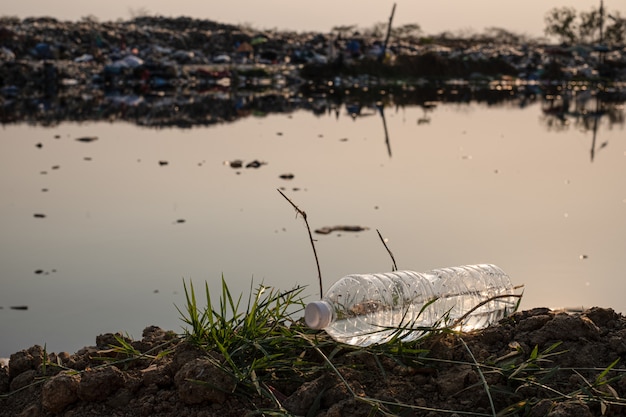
(538, 362)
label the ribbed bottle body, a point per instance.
(472, 296)
(374, 308)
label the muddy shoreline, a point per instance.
(562, 352)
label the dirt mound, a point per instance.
(536, 363)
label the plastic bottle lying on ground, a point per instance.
(364, 309)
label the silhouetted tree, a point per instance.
(587, 27)
(561, 22)
(615, 33)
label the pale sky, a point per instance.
(436, 16)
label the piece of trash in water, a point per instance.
(39, 145)
(39, 215)
(181, 221)
(327, 230)
(87, 139)
(286, 176)
(583, 256)
(163, 163)
(19, 307)
(235, 163)
(255, 164)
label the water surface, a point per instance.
(130, 215)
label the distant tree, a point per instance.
(615, 33)
(409, 32)
(589, 27)
(561, 22)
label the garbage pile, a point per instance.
(146, 67)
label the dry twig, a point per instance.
(303, 214)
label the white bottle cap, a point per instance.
(318, 314)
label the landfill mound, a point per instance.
(536, 363)
(159, 71)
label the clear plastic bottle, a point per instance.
(364, 309)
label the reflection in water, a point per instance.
(586, 108)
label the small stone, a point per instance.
(99, 384)
(60, 391)
(201, 380)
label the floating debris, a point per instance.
(87, 139)
(163, 163)
(235, 163)
(181, 221)
(255, 164)
(583, 256)
(19, 307)
(286, 176)
(39, 145)
(327, 230)
(39, 216)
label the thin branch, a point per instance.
(395, 267)
(303, 214)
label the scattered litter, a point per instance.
(287, 176)
(255, 164)
(236, 163)
(327, 230)
(163, 163)
(39, 216)
(87, 139)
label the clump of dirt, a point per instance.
(536, 363)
